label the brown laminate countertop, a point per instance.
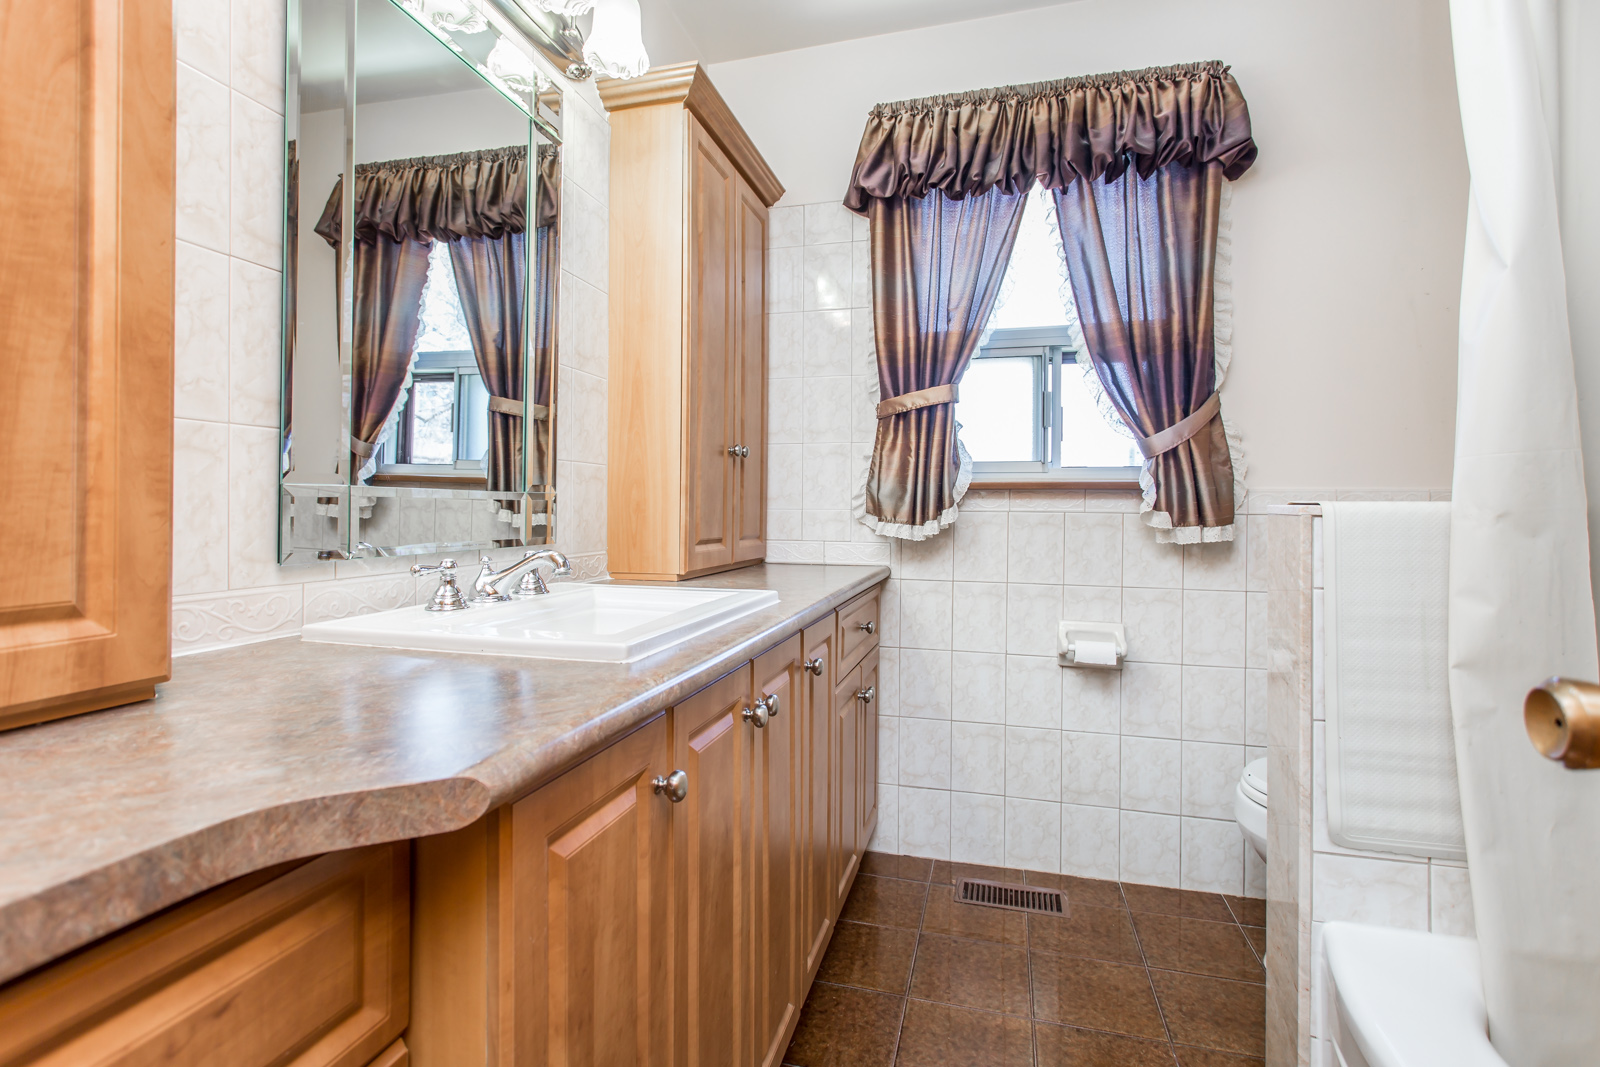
(270, 752)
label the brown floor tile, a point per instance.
(1198, 946)
(1096, 994)
(1101, 933)
(1213, 1012)
(1068, 1046)
(971, 974)
(947, 873)
(1248, 911)
(872, 957)
(946, 915)
(913, 868)
(886, 902)
(842, 1027)
(1183, 902)
(1093, 891)
(1257, 936)
(1205, 1057)
(938, 1035)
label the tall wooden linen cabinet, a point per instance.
(688, 397)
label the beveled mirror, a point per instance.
(419, 363)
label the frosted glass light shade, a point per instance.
(615, 46)
(569, 8)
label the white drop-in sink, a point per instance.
(597, 623)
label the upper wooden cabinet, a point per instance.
(86, 175)
(688, 458)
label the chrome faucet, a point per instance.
(490, 584)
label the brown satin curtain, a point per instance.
(936, 270)
(477, 200)
(1127, 139)
(1142, 257)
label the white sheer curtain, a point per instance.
(1520, 601)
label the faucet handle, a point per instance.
(447, 597)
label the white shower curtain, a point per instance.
(1520, 601)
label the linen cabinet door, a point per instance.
(711, 365)
(817, 830)
(867, 752)
(712, 833)
(592, 899)
(776, 755)
(750, 369)
(846, 774)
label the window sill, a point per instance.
(998, 480)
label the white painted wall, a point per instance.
(1348, 231)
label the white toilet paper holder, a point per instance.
(1071, 633)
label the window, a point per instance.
(441, 425)
(1030, 408)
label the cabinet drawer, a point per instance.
(859, 628)
(310, 967)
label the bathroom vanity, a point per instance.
(327, 854)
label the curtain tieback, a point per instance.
(1182, 430)
(364, 449)
(506, 406)
(917, 398)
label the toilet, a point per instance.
(1250, 805)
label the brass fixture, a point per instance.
(1562, 718)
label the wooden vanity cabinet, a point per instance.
(686, 473)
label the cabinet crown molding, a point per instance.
(687, 84)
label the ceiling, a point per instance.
(737, 29)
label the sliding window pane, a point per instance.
(998, 410)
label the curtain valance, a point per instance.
(445, 198)
(1054, 132)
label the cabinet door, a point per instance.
(817, 830)
(85, 355)
(846, 745)
(592, 901)
(710, 364)
(867, 753)
(775, 752)
(712, 829)
(750, 369)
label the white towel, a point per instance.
(1391, 761)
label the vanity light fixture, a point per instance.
(614, 45)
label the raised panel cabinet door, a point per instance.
(712, 828)
(710, 362)
(846, 782)
(776, 754)
(86, 340)
(750, 415)
(867, 752)
(817, 831)
(591, 856)
(308, 968)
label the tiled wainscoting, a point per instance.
(227, 585)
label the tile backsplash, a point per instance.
(227, 585)
(989, 751)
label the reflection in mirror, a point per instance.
(419, 340)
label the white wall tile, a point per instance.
(888, 740)
(827, 344)
(1111, 500)
(978, 758)
(1152, 700)
(978, 617)
(977, 828)
(925, 753)
(1145, 562)
(584, 326)
(1033, 692)
(785, 279)
(199, 507)
(203, 159)
(1150, 848)
(1090, 603)
(200, 34)
(863, 344)
(583, 400)
(978, 687)
(1256, 554)
(1033, 763)
(1093, 549)
(826, 414)
(924, 683)
(1034, 548)
(1152, 775)
(928, 559)
(255, 182)
(1258, 642)
(786, 227)
(1213, 628)
(255, 344)
(1090, 768)
(785, 345)
(827, 223)
(1047, 500)
(826, 477)
(1219, 565)
(860, 274)
(1210, 778)
(1091, 700)
(1450, 901)
(1033, 834)
(1212, 856)
(925, 614)
(360, 596)
(1362, 890)
(1033, 617)
(242, 616)
(886, 838)
(1154, 622)
(1255, 707)
(925, 822)
(257, 51)
(826, 278)
(979, 543)
(1090, 841)
(200, 333)
(1214, 704)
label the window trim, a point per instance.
(1049, 345)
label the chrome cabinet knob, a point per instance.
(770, 702)
(757, 716)
(739, 451)
(869, 626)
(814, 665)
(674, 785)
(733, 450)
(866, 695)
